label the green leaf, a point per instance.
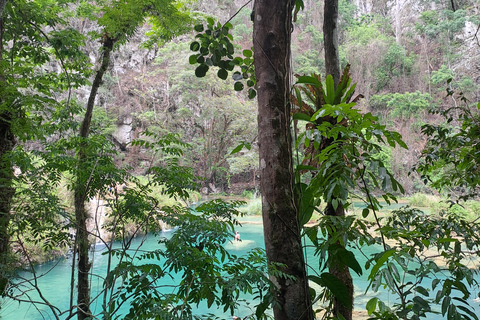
(252, 93)
(371, 305)
(422, 290)
(348, 258)
(194, 46)
(301, 116)
(238, 86)
(445, 304)
(193, 58)
(201, 70)
(309, 80)
(198, 28)
(237, 149)
(421, 302)
(222, 74)
(338, 288)
(380, 263)
(469, 312)
(210, 21)
(330, 93)
(365, 212)
(247, 53)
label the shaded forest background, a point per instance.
(402, 54)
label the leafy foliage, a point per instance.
(401, 105)
(341, 143)
(452, 151)
(215, 48)
(425, 249)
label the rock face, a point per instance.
(123, 135)
(97, 209)
(364, 6)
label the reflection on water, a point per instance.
(55, 280)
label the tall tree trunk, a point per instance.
(271, 37)
(82, 188)
(332, 66)
(342, 273)
(330, 39)
(7, 143)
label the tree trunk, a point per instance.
(332, 66)
(7, 143)
(341, 273)
(272, 31)
(330, 39)
(82, 188)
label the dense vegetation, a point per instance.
(159, 129)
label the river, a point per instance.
(55, 280)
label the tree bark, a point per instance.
(332, 66)
(7, 143)
(342, 273)
(82, 188)
(272, 31)
(330, 39)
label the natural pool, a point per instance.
(55, 283)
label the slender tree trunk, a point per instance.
(7, 143)
(272, 31)
(342, 273)
(332, 66)
(82, 188)
(330, 39)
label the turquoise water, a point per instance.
(55, 280)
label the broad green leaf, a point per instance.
(330, 90)
(194, 46)
(422, 290)
(380, 263)
(201, 70)
(338, 288)
(348, 258)
(247, 53)
(252, 93)
(468, 311)
(222, 74)
(306, 205)
(193, 59)
(309, 80)
(198, 27)
(301, 116)
(237, 149)
(445, 304)
(365, 212)
(238, 86)
(371, 305)
(421, 302)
